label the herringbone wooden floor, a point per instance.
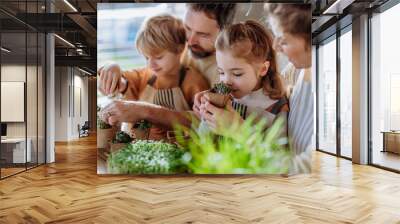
(69, 191)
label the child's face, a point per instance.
(238, 74)
(163, 63)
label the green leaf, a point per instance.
(245, 148)
(143, 124)
(221, 88)
(122, 137)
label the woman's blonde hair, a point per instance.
(251, 40)
(162, 32)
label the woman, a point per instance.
(291, 24)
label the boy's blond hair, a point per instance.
(162, 32)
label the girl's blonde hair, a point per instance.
(251, 40)
(163, 32)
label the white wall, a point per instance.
(70, 83)
(61, 103)
(14, 73)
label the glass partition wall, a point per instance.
(22, 77)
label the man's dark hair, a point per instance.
(223, 13)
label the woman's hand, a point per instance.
(111, 79)
(219, 119)
(123, 111)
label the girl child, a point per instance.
(247, 64)
(165, 82)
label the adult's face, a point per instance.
(294, 47)
(201, 33)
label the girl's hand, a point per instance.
(219, 119)
(198, 99)
(202, 107)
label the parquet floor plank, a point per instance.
(70, 191)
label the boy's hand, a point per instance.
(111, 79)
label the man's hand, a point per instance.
(111, 80)
(197, 103)
(123, 111)
(133, 111)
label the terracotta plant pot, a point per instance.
(115, 147)
(141, 134)
(104, 136)
(218, 100)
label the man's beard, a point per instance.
(201, 54)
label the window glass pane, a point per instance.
(346, 94)
(327, 96)
(385, 114)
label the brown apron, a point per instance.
(172, 98)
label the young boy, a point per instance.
(164, 81)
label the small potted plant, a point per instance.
(105, 133)
(119, 141)
(219, 94)
(142, 130)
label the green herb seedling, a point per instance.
(122, 137)
(221, 88)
